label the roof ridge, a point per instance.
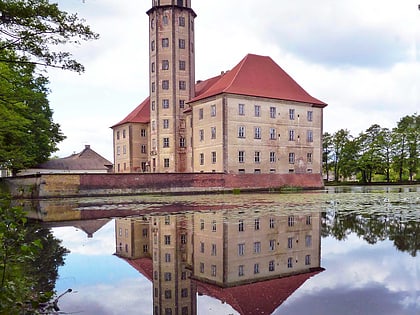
(241, 64)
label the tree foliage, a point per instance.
(390, 154)
(35, 30)
(29, 261)
(28, 134)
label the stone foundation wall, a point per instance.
(76, 185)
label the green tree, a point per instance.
(36, 30)
(339, 141)
(327, 143)
(28, 134)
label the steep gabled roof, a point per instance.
(259, 76)
(141, 114)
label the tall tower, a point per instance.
(172, 81)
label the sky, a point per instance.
(360, 57)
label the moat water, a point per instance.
(342, 250)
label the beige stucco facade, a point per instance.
(243, 134)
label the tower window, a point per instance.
(152, 45)
(165, 164)
(165, 20)
(181, 65)
(165, 123)
(166, 142)
(165, 42)
(165, 64)
(153, 67)
(181, 20)
(165, 103)
(181, 103)
(182, 85)
(165, 84)
(182, 43)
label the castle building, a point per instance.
(252, 119)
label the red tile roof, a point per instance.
(141, 114)
(259, 76)
(255, 75)
(257, 298)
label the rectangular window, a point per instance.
(271, 223)
(201, 134)
(165, 64)
(213, 110)
(213, 270)
(240, 270)
(291, 114)
(184, 292)
(213, 226)
(256, 268)
(153, 67)
(124, 149)
(309, 115)
(213, 132)
(168, 276)
(183, 239)
(272, 157)
(241, 249)
(257, 133)
(165, 20)
(166, 163)
(307, 260)
(272, 112)
(200, 113)
(181, 103)
(213, 250)
(182, 143)
(201, 247)
(273, 133)
(168, 294)
(271, 265)
(165, 123)
(201, 158)
(241, 109)
(182, 85)
(290, 262)
(118, 135)
(143, 132)
(272, 245)
(181, 21)
(308, 220)
(165, 42)
(257, 156)
(309, 136)
(241, 156)
(153, 86)
(202, 267)
(257, 110)
(291, 220)
(241, 226)
(153, 105)
(308, 241)
(167, 257)
(213, 157)
(256, 224)
(309, 157)
(182, 65)
(241, 132)
(166, 142)
(291, 135)
(143, 149)
(291, 158)
(165, 84)
(167, 239)
(181, 43)
(152, 45)
(201, 224)
(145, 248)
(290, 242)
(257, 247)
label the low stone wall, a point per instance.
(73, 185)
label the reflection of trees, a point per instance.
(373, 228)
(48, 259)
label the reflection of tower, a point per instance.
(173, 292)
(232, 248)
(172, 81)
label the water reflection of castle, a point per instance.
(248, 259)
